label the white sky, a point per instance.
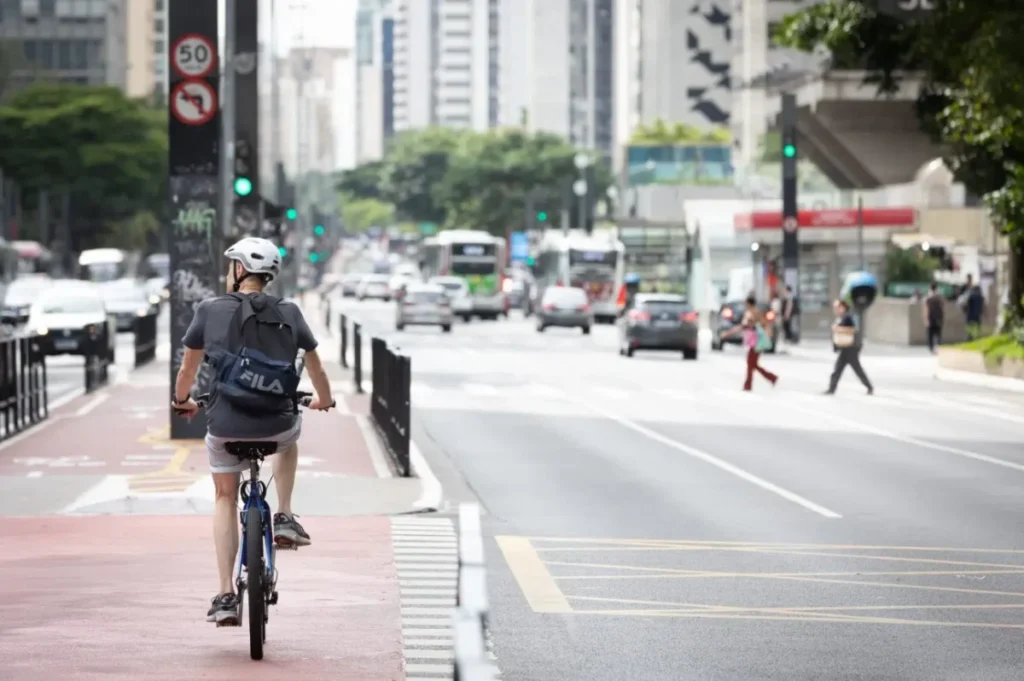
(319, 23)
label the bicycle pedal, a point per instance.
(230, 623)
(285, 545)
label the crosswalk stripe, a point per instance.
(610, 393)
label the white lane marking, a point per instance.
(92, 404)
(377, 458)
(417, 389)
(110, 488)
(431, 492)
(910, 440)
(958, 405)
(714, 461)
(678, 394)
(481, 390)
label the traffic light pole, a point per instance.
(227, 121)
(790, 218)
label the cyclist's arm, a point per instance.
(187, 373)
(317, 375)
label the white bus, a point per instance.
(593, 262)
(106, 264)
(476, 257)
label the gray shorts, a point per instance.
(223, 462)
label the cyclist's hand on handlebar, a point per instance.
(187, 408)
(320, 405)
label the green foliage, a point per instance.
(972, 58)
(360, 214)
(108, 151)
(996, 348)
(478, 180)
(909, 266)
(661, 133)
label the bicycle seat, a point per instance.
(247, 449)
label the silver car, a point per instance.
(424, 305)
(565, 307)
(374, 286)
(350, 284)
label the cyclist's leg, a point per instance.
(226, 470)
(287, 529)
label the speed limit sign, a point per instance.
(193, 56)
(789, 224)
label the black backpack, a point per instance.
(256, 371)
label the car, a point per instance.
(731, 314)
(424, 305)
(515, 291)
(19, 297)
(69, 318)
(374, 286)
(458, 292)
(398, 283)
(659, 321)
(128, 300)
(565, 307)
(350, 284)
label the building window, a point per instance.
(79, 54)
(159, 47)
(158, 26)
(30, 49)
(64, 55)
(47, 8)
(159, 5)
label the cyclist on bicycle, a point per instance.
(253, 264)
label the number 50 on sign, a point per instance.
(193, 56)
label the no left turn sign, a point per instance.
(789, 224)
(194, 102)
(193, 56)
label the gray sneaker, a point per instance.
(288, 533)
(223, 610)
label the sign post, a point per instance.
(246, 112)
(194, 162)
(790, 218)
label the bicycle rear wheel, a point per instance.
(254, 581)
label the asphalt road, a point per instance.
(651, 521)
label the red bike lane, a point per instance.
(118, 597)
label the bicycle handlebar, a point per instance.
(303, 399)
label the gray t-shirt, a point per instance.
(209, 331)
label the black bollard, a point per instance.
(343, 329)
(357, 357)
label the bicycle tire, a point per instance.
(254, 581)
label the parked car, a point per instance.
(731, 314)
(424, 305)
(565, 307)
(374, 286)
(20, 295)
(128, 300)
(659, 321)
(69, 316)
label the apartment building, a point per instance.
(78, 41)
(374, 122)
(446, 69)
(160, 47)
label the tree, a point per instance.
(414, 167)
(972, 58)
(109, 152)
(660, 133)
(361, 214)
(362, 182)
(493, 176)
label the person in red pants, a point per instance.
(752, 319)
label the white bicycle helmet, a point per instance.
(258, 256)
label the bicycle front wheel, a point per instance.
(254, 577)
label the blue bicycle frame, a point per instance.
(246, 493)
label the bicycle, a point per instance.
(257, 550)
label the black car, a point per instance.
(659, 321)
(729, 317)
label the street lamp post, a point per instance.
(579, 187)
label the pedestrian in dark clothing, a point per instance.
(847, 342)
(972, 302)
(934, 315)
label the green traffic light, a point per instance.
(243, 186)
(292, 213)
(789, 150)
(314, 257)
(542, 217)
(282, 250)
(319, 230)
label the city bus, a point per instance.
(476, 257)
(593, 262)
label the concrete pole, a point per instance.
(227, 121)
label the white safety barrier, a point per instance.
(472, 659)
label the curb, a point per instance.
(980, 380)
(432, 493)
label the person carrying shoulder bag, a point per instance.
(847, 344)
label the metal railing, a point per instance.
(357, 349)
(98, 346)
(145, 339)
(390, 406)
(23, 386)
(472, 658)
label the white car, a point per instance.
(458, 292)
(398, 283)
(374, 286)
(69, 317)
